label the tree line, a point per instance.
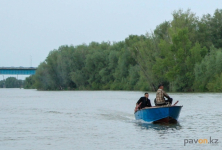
(184, 54)
(11, 82)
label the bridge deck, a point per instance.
(18, 70)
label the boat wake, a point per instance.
(116, 115)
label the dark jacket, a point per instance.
(145, 102)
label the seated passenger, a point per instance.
(143, 102)
(160, 94)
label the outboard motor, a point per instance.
(170, 100)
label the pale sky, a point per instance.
(30, 29)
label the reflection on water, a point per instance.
(158, 126)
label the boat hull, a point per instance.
(159, 114)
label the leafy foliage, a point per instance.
(184, 54)
(11, 82)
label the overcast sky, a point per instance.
(30, 29)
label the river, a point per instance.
(94, 120)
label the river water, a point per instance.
(94, 120)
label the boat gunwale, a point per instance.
(155, 107)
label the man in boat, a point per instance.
(160, 94)
(143, 102)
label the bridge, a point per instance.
(17, 70)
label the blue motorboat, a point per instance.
(167, 114)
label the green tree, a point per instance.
(178, 53)
(208, 72)
(216, 28)
(29, 82)
(12, 82)
(2, 83)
